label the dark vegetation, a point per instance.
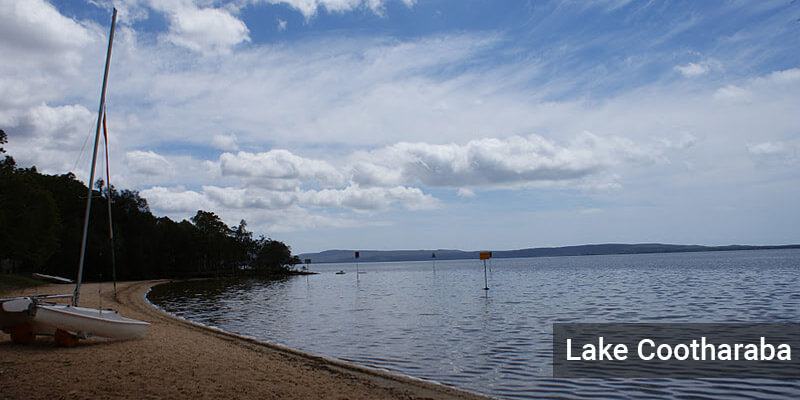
(41, 223)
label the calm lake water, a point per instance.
(435, 321)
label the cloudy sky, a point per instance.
(405, 124)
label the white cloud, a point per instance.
(225, 142)
(310, 8)
(33, 32)
(43, 59)
(493, 162)
(281, 25)
(398, 175)
(683, 142)
(206, 30)
(147, 162)
(129, 11)
(61, 123)
(269, 207)
(50, 137)
(278, 169)
(244, 198)
(368, 199)
(692, 69)
(767, 149)
(293, 219)
(310, 92)
(773, 152)
(176, 200)
(733, 94)
(785, 76)
(464, 192)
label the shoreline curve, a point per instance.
(178, 358)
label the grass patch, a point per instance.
(10, 282)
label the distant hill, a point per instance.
(343, 256)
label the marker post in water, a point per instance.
(485, 255)
(357, 272)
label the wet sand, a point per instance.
(178, 359)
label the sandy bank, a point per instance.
(177, 359)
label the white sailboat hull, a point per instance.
(87, 322)
(46, 318)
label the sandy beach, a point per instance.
(178, 359)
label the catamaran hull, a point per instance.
(87, 322)
(46, 319)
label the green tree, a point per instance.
(210, 224)
(215, 238)
(28, 220)
(273, 257)
(245, 246)
(177, 248)
(7, 164)
(69, 195)
(135, 235)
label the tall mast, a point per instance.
(110, 220)
(100, 112)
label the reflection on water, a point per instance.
(437, 323)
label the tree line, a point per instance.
(41, 224)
